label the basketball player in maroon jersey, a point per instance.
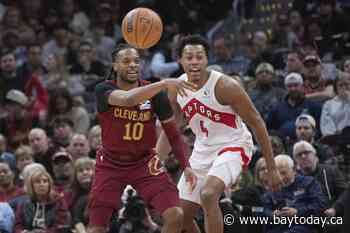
(126, 110)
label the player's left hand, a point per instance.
(190, 178)
(275, 180)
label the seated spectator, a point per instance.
(264, 95)
(79, 146)
(226, 56)
(17, 119)
(61, 104)
(24, 156)
(301, 196)
(43, 150)
(283, 115)
(63, 132)
(316, 86)
(306, 130)
(84, 172)
(8, 189)
(341, 210)
(335, 114)
(249, 200)
(330, 177)
(45, 210)
(95, 140)
(63, 169)
(7, 218)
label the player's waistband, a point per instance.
(123, 159)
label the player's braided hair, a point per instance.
(121, 46)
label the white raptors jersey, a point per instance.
(213, 124)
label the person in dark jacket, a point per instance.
(332, 180)
(44, 210)
(301, 196)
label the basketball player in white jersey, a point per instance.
(223, 143)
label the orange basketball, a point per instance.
(142, 28)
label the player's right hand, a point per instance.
(179, 86)
(190, 178)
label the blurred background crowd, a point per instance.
(292, 57)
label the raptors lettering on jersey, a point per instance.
(195, 106)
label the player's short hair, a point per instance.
(119, 48)
(193, 40)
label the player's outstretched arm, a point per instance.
(137, 95)
(229, 92)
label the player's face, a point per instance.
(194, 61)
(127, 65)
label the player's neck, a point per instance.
(202, 81)
(123, 85)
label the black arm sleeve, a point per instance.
(102, 91)
(161, 106)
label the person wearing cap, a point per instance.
(332, 180)
(305, 129)
(283, 115)
(16, 120)
(315, 85)
(63, 172)
(335, 114)
(264, 95)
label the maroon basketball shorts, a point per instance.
(146, 176)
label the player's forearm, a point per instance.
(178, 146)
(135, 96)
(262, 136)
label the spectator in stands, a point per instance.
(13, 20)
(8, 189)
(79, 146)
(336, 111)
(103, 44)
(346, 66)
(24, 156)
(264, 95)
(62, 128)
(297, 30)
(5, 154)
(7, 218)
(84, 172)
(94, 137)
(61, 105)
(277, 145)
(315, 84)
(43, 150)
(47, 209)
(330, 177)
(224, 56)
(249, 200)
(300, 196)
(294, 62)
(34, 62)
(17, 120)
(71, 16)
(63, 169)
(341, 210)
(283, 115)
(58, 45)
(306, 130)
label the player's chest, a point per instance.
(140, 113)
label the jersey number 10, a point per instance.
(133, 131)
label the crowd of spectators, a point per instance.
(292, 57)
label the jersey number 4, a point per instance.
(203, 129)
(133, 131)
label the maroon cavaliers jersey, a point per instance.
(129, 131)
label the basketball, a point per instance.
(142, 28)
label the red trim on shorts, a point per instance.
(244, 156)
